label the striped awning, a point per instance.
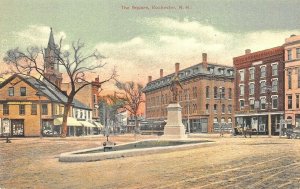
(99, 125)
(86, 124)
(70, 122)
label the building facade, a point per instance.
(32, 107)
(292, 80)
(259, 90)
(206, 98)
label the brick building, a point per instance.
(206, 97)
(259, 89)
(88, 95)
(292, 80)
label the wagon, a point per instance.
(293, 133)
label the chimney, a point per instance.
(149, 78)
(161, 73)
(177, 67)
(204, 59)
(247, 51)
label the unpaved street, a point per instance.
(256, 162)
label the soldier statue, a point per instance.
(174, 87)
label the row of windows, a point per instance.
(223, 108)
(218, 94)
(262, 73)
(185, 95)
(11, 91)
(263, 87)
(261, 104)
(290, 54)
(22, 109)
(229, 120)
(192, 109)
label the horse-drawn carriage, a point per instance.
(244, 131)
(293, 133)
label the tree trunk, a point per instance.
(65, 120)
(136, 124)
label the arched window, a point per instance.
(207, 91)
(215, 92)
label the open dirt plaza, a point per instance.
(230, 162)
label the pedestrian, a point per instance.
(221, 130)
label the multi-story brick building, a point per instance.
(206, 97)
(292, 80)
(259, 89)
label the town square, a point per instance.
(149, 94)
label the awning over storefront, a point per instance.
(99, 125)
(86, 124)
(70, 122)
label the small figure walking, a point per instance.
(221, 130)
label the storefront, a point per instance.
(259, 122)
(199, 125)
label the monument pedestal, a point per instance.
(174, 128)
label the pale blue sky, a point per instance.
(147, 40)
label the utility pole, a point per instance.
(188, 115)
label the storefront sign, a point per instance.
(19, 103)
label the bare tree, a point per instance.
(132, 95)
(75, 63)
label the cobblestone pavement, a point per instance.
(257, 162)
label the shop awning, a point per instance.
(99, 125)
(70, 122)
(86, 124)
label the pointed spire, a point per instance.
(51, 43)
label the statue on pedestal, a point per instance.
(174, 87)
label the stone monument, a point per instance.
(174, 128)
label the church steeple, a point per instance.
(51, 62)
(51, 43)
